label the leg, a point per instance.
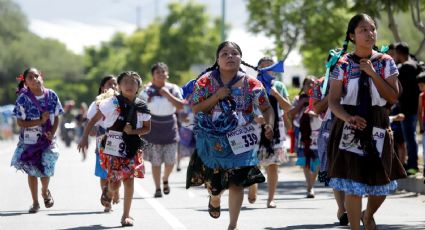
(235, 204)
(373, 204)
(354, 206)
(126, 220)
(409, 132)
(339, 198)
(45, 192)
(156, 173)
(33, 185)
(272, 177)
(252, 193)
(167, 171)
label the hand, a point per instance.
(82, 146)
(268, 131)
(49, 135)
(357, 122)
(366, 66)
(164, 92)
(128, 129)
(44, 117)
(260, 120)
(222, 93)
(399, 117)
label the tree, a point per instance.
(185, 37)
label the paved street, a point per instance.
(76, 193)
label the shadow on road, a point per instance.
(90, 227)
(12, 213)
(75, 213)
(335, 226)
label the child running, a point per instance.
(126, 118)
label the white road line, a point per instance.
(159, 208)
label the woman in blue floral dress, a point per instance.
(226, 137)
(37, 110)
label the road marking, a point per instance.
(159, 208)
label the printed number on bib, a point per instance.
(243, 139)
(347, 140)
(31, 135)
(114, 144)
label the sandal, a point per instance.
(158, 193)
(127, 222)
(48, 201)
(166, 188)
(34, 208)
(212, 209)
(372, 220)
(271, 204)
(104, 199)
(343, 219)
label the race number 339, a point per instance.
(114, 144)
(243, 139)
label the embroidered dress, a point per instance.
(187, 137)
(353, 169)
(278, 154)
(26, 110)
(163, 137)
(219, 159)
(119, 168)
(323, 138)
(310, 159)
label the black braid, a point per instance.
(211, 68)
(251, 66)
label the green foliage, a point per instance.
(21, 49)
(322, 24)
(185, 37)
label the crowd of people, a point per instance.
(355, 128)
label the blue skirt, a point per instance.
(359, 189)
(48, 160)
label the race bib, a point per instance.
(379, 137)
(348, 144)
(114, 144)
(244, 138)
(31, 135)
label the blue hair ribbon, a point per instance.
(266, 78)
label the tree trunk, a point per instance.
(392, 24)
(417, 21)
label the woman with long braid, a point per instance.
(227, 139)
(361, 154)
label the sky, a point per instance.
(80, 23)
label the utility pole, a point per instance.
(138, 16)
(223, 20)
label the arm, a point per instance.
(284, 102)
(54, 128)
(208, 104)
(420, 111)
(268, 114)
(82, 146)
(320, 106)
(302, 102)
(334, 98)
(388, 88)
(145, 129)
(32, 123)
(177, 102)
